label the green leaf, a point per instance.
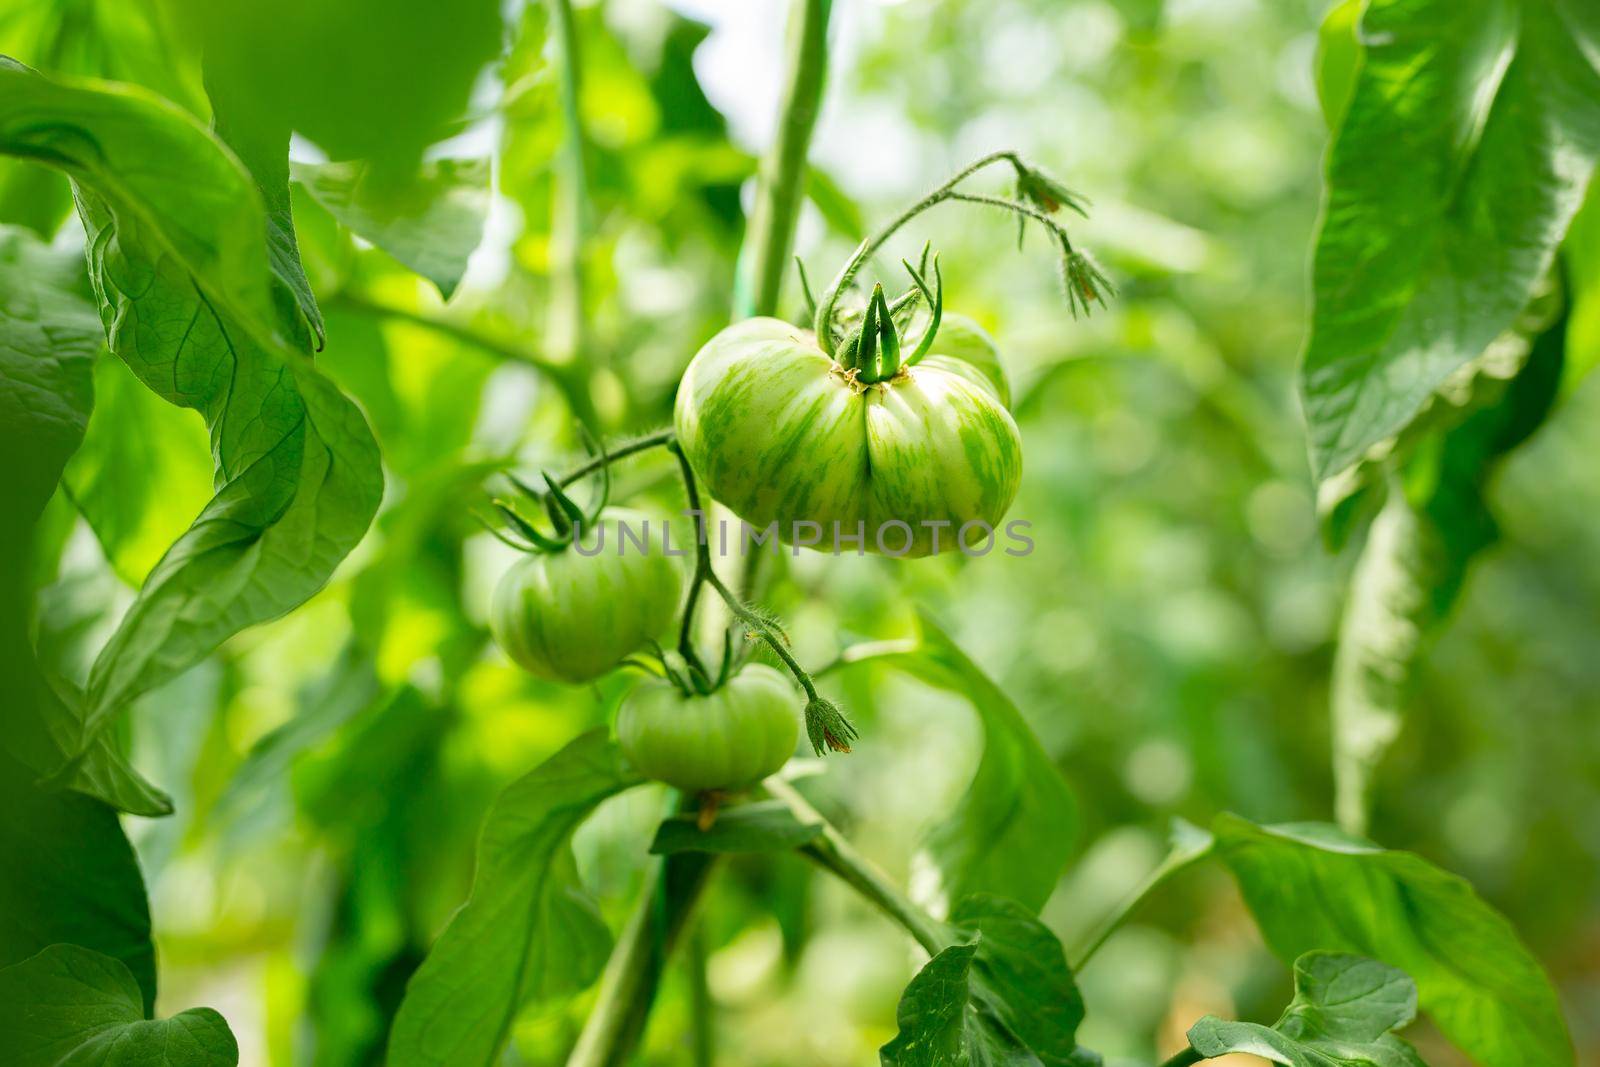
(177, 255)
(1343, 1010)
(1015, 828)
(1004, 996)
(259, 136)
(142, 473)
(1581, 256)
(1338, 58)
(49, 335)
(1434, 522)
(1471, 133)
(528, 931)
(1313, 887)
(72, 1007)
(761, 826)
(363, 79)
(70, 875)
(430, 223)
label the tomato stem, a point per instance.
(658, 439)
(1033, 186)
(702, 566)
(783, 169)
(832, 851)
(570, 211)
(628, 985)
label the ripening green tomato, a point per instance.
(728, 739)
(962, 346)
(572, 615)
(780, 433)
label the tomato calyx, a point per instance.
(874, 352)
(567, 520)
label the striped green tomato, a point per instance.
(728, 739)
(962, 346)
(572, 615)
(781, 433)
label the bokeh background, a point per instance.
(1170, 638)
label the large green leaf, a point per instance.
(244, 121)
(1004, 996)
(142, 473)
(177, 255)
(762, 826)
(72, 1007)
(70, 875)
(49, 336)
(1016, 826)
(1313, 887)
(1343, 1010)
(48, 339)
(1469, 138)
(1433, 524)
(528, 931)
(431, 223)
(1581, 254)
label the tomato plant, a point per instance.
(414, 416)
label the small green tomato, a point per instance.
(728, 739)
(574, 614)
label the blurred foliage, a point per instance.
(1170, 639)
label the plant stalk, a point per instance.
(633, 973)
(702, 1012)
(1184, 1058)
(570, 210)
(835, 853)
(868, 248)
(766, 250)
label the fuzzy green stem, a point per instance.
(832, 851)
(659, 439)
(570, 211)
(783, 170)
(1184, 1058)
(868, 248)
(702, 559)
(761, 629)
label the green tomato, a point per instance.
(962, 346)
(571, 617)
(781, 433)
(728, 739)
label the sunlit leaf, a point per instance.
(762, 826)
(177, 254)
(1469, 139)
(1016, 825)
(1311, 887)
(430, 223)
(1004, 996)
(1343, 1010)
(1434, 522)
(72, 1007)
(142, 474)
(70, 875)
(528, 931)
